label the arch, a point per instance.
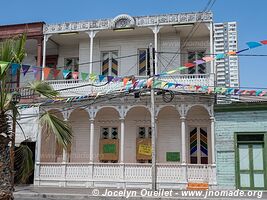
(79, 151)
(111, 108)
(162, 107)
(50, 150)
(123, 21)
(136, 106)
(199, 107)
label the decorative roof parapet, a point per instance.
(124, 20)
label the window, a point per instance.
(144, 132)
(198, 145)
(109, 133)
(143, 69)
(13, 80)
(198, 69)
(109, 62)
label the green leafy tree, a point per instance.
(13, 51)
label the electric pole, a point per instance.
(153, 127)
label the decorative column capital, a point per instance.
(92, 34)
(212, 119)
(46, 37)
(91, 120)
(155, 29)
(122, 119)
(182, 118)
(66, 114)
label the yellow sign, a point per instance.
(145, 149)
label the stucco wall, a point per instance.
(227, 123)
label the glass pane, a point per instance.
(243, 157)
(259, 180)
(142, 62)
(257, 157)
(105, 63)
(244, 180)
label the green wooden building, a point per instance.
(241, 145)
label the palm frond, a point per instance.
(62, 130)
(24, 163)
(44, 89)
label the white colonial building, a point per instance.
(111, 146)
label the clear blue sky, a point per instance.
(250, 15)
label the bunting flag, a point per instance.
(252, 45)
(264, 42)
(25, 69)
(110, 78)
(84, 76)
(65, 73)
(75, 75)
(125, 81)
(220, 56)
(92, 77)
(199, 62)
(56, 73)
(101, 77)
(208, 59)
(189, 65)
(35, 70)
(46, 72)
(14, 68)
(3, 66)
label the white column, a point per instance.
(38, 156)
(92, 134)
(122, 140)
(46, 37)
(155, 30)
(211, 47)
(212, 133)
(91, 35)
(65, 152)
(183, 140)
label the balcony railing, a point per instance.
(110, 173)
(80, 87)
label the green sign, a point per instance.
(173, 156)
(109, 148)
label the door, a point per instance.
(251, 166)
(198, 145)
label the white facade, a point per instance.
(226, 40)
(185, 125)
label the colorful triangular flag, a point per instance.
(75, 75)
(25, 69)
(110, 78)
(101, 77)
(14, 68)
(56, 73)
(46, 71)
(65, 73)
(84, 75)
(252, 45)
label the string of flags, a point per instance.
(24, 69)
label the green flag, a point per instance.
(84, 76)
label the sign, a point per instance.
(145, 149)
(109, 148)
(173, 156)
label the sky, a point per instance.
(250, 15)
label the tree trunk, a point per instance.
(6, 189)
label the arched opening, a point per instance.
(137, 135)
(198, 137)
(79, 151)
(51, 151)
(169, 146)
(107, 137)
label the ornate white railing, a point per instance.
(130, 172)
(80, 87)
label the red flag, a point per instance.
(189, 65)
(75, 75)
(56, 72)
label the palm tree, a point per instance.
(13, 51)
